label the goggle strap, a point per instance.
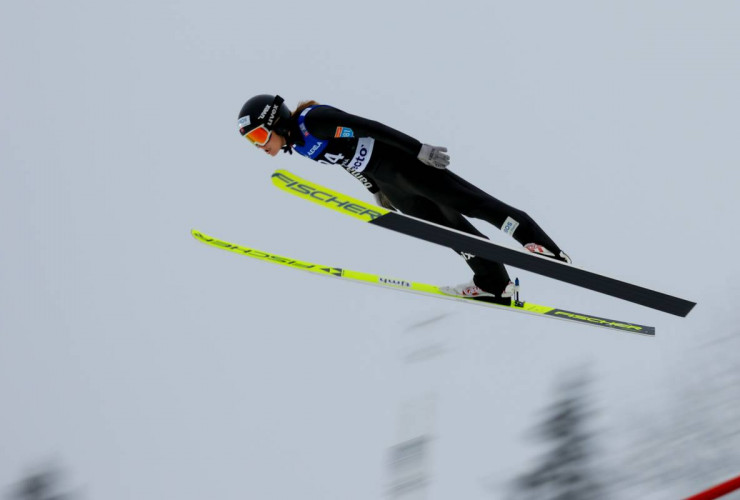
(276, 103)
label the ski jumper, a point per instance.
(384, 159)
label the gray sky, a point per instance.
(154, 367)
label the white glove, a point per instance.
(434, 156)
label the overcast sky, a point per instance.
(152, 366)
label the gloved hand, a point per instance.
(383, 201)
(434, 156)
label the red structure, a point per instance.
(718, 491)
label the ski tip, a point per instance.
(201, 236)
(324, 196)
(285, 179)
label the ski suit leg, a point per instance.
(450, 190)
(489, 275)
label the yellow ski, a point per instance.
(420, 288)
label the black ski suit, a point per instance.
(385, 160)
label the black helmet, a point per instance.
(267, 110)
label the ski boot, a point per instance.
(540, 250)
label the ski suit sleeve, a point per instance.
(323, 122)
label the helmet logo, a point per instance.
(264, 112)
(256, 112)
(274, 111)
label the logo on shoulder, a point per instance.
(343, 133)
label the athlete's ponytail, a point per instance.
(301, 106)
(291, 140)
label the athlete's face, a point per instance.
(274, 145)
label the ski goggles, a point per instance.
(258, 136)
